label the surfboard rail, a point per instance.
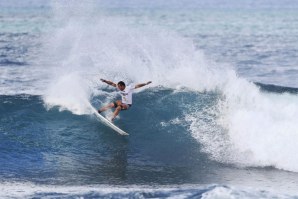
(109, 123)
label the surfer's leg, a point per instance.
(111, 105)
(120, 106)
(116, 112)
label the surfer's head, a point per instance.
(121, 85)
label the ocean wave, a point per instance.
(233, 120)
(27, 190)
(7, 62)
(277, 88)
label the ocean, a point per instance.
(220, 119)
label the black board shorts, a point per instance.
(128, 106)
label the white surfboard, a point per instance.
(109, 123)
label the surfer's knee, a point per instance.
(113, 105)
(116, 104)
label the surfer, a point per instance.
(126, 97)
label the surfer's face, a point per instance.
(121, 87)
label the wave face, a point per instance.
(45, 146)
(53, 145)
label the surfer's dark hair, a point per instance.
(121, 83)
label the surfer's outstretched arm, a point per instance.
(108, 82)
(141, 85)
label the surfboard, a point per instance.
(109, 123)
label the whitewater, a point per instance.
(207, 126)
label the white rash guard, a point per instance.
(126, 94)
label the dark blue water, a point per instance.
(219, 119)
(59, 147)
